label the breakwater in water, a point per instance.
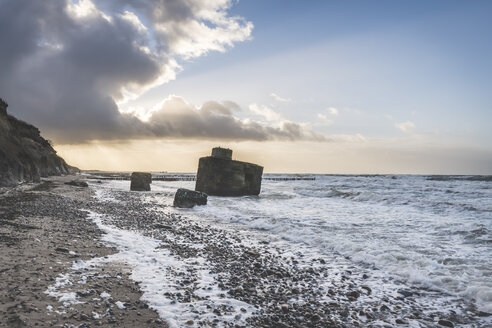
(190, 177)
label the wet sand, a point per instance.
(43, 230)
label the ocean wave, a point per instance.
(485, 178)
(326, 193)
(411, 229)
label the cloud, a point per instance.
(214, 120)
(176, 118)
(68, 64)
(278, 98)
(406, 127)
(333, 111)
(266, 112)
(324, 119)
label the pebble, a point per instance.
(445, 323)
(286, 291)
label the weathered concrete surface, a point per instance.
(225, 177)
(188, 198)
(140, 181)
(224, 153)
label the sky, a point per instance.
(399, 87)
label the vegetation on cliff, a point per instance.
(24, 154)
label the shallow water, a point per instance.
(424, 231)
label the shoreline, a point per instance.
(288, 284)
(43, 231)
(193, 274)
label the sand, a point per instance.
(43, 230)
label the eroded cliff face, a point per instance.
(24, 154)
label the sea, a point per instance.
(432, 233)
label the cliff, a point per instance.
(24, 154)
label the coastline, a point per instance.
(163, 264)
(43, 231)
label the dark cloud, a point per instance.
(19, 35)
(214, 120)
(65, 64)
(65, 74)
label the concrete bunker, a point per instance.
(140, 181)
(219, 175)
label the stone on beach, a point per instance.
(219, 175)
(140, 181)
(77, 183)
(445, 323)
(188, 198)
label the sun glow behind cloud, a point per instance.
(343, 156)
(120, 75)
(107, 54)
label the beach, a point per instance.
(43, 231)
(105, 256)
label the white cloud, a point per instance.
(209, 27)
(177, 118)
(324, 119)
(266, 112)
(350, 138)
(133, 19)
(406, 127)
(82, 9)
(278, 98)
(333, 111)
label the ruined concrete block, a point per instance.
(140, 181)
(220, 176)
(188, 198)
